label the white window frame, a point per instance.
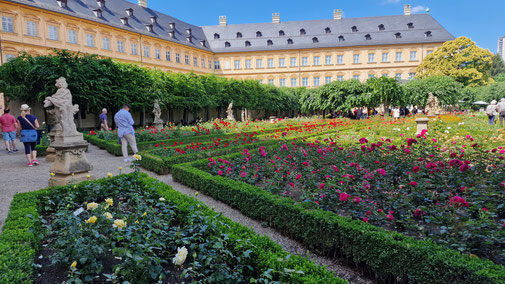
(146, 51)
(282, 62)
(327, 79)
(305, 61)
(105, 43)
(327, 59)
(385, 57)
(248, 64)
(355, 58)
(292, 62)
(294, 82)
(120, 46)
(31, 28)
(282, 82)
(340, 78)
(270, 62)
(52, 32)
(7, 24)
(398, 56)
(236, 64)
(317, 81)
(371, 58)
(305, 81)
(316, 60)
(259, 63)
(413, 55)
(90, 40)
(133, 49)
(340, 59)
(72, 36)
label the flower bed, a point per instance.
(134, 228)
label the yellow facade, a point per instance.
(33, 28)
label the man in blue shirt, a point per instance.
(125, 131)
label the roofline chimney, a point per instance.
(142, 3)
(276, 18)
(337, 14)
(407, 10)
(222, 21)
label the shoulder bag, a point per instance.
(28, 135)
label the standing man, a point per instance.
(104, 126)
(125, 131)
(9, 125)
(500, 108)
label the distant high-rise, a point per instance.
(501, 47)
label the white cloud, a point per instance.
(418, 9)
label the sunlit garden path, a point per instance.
(16, 177)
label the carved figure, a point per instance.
(229, 112)
(157, 112)
(433, 106)
(63, 112)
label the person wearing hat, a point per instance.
(28, 125)
(501, 111)
(8, 125)
(491, 112)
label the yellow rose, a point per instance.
(109, 175)
(181, 255)
(196, 193)
(162, 199)
(109, 201)
(52, 174)
(92, 206)
(145, 213)
(119, 223)
(136, 221)
(74, 264)
(107, 215)
(120, 168)
(91, 220)
(88, 176)
(137, 157)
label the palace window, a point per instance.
(7, 24)
(427, 34)
(281, 33)
(258, 34)
(413, 55)
(157, 54)
(305, 61)
(303, 32)
(72, 37)
(269, 42)
(341, 38)
(282, 82)
(355, 58)
(368, 37)
(177, 58)
(294, 82)
(282, 62)
(398, 76)
(217, 65)
(106, 43)
(398, 35)
(290, 41)
(410, 26)
(259, 63)
(412, 75)
(355, 77)
(31, 28)
(354, 29)
(316, 81)
(239, 35)
(247, 43)
(371, 58)
(167, 56)
(52, 32)
(90, 40)
(340, 78)
(146, 51)
(248, 63)
(398, 56)
(216, 36)
(315, 40)
(340, 59)
(305, 81)
(327, 31)
(227, 44)
(385, 57)
(237, 64)
(186, 59)
(270, 62)
(327, 79)
(270, 81)
(293, 61)
(381, 27)
(316, 60)
(195, 61)
(133, 48)
(327, 59)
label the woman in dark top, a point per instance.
(28, 125)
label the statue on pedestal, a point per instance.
(229, 112)
(433, 106)
(158, 122)
(70, 162)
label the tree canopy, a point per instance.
(460, 59)
(446, 89)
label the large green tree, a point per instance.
(445, 88)
(497, 66)
(460, 59)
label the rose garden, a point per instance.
(315, 198)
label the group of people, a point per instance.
(496, 109)
(26, 125)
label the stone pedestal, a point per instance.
(71, 164)
(272, 119)
(158, 125)
(422, 124)
(50, 151)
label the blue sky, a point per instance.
(481, 20)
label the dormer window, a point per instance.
(281, 33)
(189, 39)
(303, 32)
(239, 35)
(269, 42)
(327, 30)
(341, 38)
(153, 19)
(398, 35)
(149, 27)
(227, 44)
(290, 41)
(259, 34)
(171, 26)
(124, 20)
(354, 29)
(171, 34)
(315, 40)
(100, 3)
(62, 3)
(216, 36)
(188, 31)
(129, 12)
(247, 43)
(203, 43)
(381, 27)
(410, 26)
(368, 37)
(427, 34)
(98, 13)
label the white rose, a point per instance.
(181, 255)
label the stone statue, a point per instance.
(229, 112)
(63, 112)
(157, 113)
(433, 106)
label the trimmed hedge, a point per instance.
(21, 238)
(391, 256)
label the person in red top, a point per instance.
(9, 125)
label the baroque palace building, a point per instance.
(291, 54)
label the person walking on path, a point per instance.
(125, 131)
(104, 126)
(9, 126)
(28, 125)
(491, 112)
(501, 111)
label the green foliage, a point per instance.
(497, 67)
(445, 88)
(383, 91)
(338, 95)
(494, 91)
(460, 59)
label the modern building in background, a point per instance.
(300, 53)
(501, 47)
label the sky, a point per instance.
(481, 20)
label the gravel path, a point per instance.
(16, 177)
